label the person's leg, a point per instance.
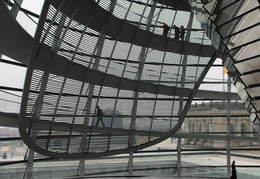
(98, 119)
(103, 122)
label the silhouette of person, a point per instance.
(177, 32)
(165, 29)
(182, 33)
(99, 116)
(233, 171)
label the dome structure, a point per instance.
(110, 54)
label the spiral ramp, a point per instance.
(85, 55)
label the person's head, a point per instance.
(233, 162)
(97, 107)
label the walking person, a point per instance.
(100, 116)
(233, 171)
(177, 32)
(166, 29)
(182, 33)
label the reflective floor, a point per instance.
(147, 166)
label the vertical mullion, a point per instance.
(159, 82)
(118, 90)
(135, 95)
(64, 80)
(99, 51)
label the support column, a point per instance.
(142, 58)
(99, 45)
(228, 126)
(184, 68)
(29, 168)
(179, 157)
(130, 163)
(235, 23)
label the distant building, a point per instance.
(211, 118)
